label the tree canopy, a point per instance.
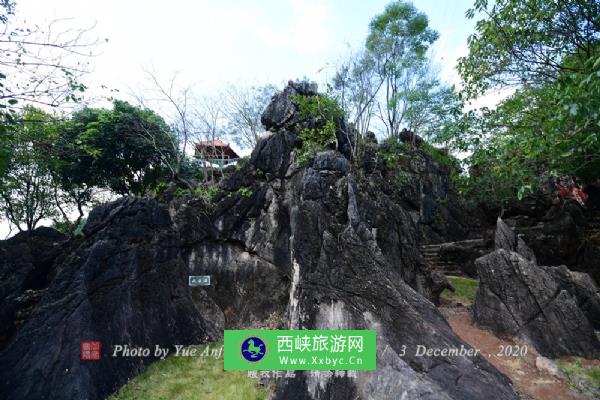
(548, 53)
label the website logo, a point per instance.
(253, 349)
(292, 350)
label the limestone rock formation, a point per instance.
(464, 254)
(560, 233)
(313, 247)
(125, 283)
(506, 239)
(25, 272)
(318, 248)
(583, 288)
(520, 298)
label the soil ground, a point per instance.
(530, 382)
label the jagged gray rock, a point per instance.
(25, 272)
(318, 248)
(583, 288)
(303, 248)
(281, 111)
(124, 284)
(519, 298)
(505, 238)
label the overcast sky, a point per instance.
(213, 43)
(210, 43)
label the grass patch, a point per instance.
(585, 378)
(191, 378)
(465, 289)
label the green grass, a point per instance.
(582, 377)
(191, 378)
(465, 290)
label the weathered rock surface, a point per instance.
(421, 185)
(286, 247)
(506, 239)
(464, 254)
(560, 236)
(583, 288)
(125, 283)
(563, 233)
(317, 248)
(517, 297)
(25, 272)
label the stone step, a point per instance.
(460, 242)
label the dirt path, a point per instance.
(529, 381)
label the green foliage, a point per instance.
(550, 124)
(181, 192)
(52, 166)
(206, 193)
(187, 378)
(400, 32)
(245, 192)
(392, 151)
(26, 186)
(583, 377)
(161, 187)
(321, 116)
(465, 289)
(440, 155)
(508, 48)
(124, 149)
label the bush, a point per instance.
(392, 151)
(320, 116)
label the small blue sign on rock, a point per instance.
(199, 280)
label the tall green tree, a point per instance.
(392, 83)
(397, 43)
(39, 65)
(526, 42)
(26, 187)
(125, 149)
(549, 53)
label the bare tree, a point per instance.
(356, 86)
(176, 106)
(43, 66)
(243, 108)
(191, 119)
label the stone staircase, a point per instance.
(431, 254)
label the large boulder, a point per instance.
(124, 284)
(319, 248)
(26, 270)
(519, 298)
(583, 288)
